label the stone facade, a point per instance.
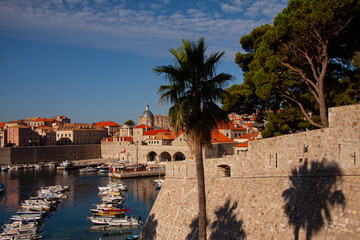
(298, 186)
(79, 133)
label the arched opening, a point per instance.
(165, 157)
(152, 156)
(223, 171)
(179, 156)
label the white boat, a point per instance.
(158, 183)
(21, 225)
(4, 168)
(66, 163)
(25, 212)
(88, 169)
(111, 198)
(15, 233)
(107, 206)
(123, 221)
(118, 186)
(35, 207)
(27, 217)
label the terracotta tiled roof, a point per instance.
(108, 139)
(107, 124)
(250, 136)
(43, 120)
(248, 125)
(243, 144)
(218, 137)
(165, 135)
(126, 139)
(2, 124)
(123, 151)
(230, 125)
(153, 132)
(144, 126)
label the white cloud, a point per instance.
(117, 27)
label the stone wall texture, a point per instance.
(21, 155)
(298, 186)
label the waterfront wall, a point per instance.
(21, 155)
(304, 185)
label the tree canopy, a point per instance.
(306, 59)
(129, 122)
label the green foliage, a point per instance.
(308, 57)
(287, 120)
(129, 122)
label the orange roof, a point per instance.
(250, 136)
(153, 132)
(144, 126)
(217, 137)
(43, 120)
(123, 151)
(243, 144)
(230, 125)
(107, 124)
(2, 124)
(165, 135)
(248, 125)
(130, 139)
(108, 139)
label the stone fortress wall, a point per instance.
(26, 155)
(304, 185)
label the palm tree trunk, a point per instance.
(201, 189)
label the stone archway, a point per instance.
(165, 157)
(152, 157)
(179, 156)
(223, 171)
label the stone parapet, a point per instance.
(302, 186)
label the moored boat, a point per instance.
(122, 221)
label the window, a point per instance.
(223, 171)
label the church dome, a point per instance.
(147, 113)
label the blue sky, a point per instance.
(92, 60)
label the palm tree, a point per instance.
(193, 90)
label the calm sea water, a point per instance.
(69, 221)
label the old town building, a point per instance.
(79, 133)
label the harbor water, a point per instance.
(69, 220)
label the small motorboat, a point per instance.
(21, 225)
(117, 221)
(88, 169)
(27, 217)
(4, 168)
(111, 198)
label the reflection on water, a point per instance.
(69, 221)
